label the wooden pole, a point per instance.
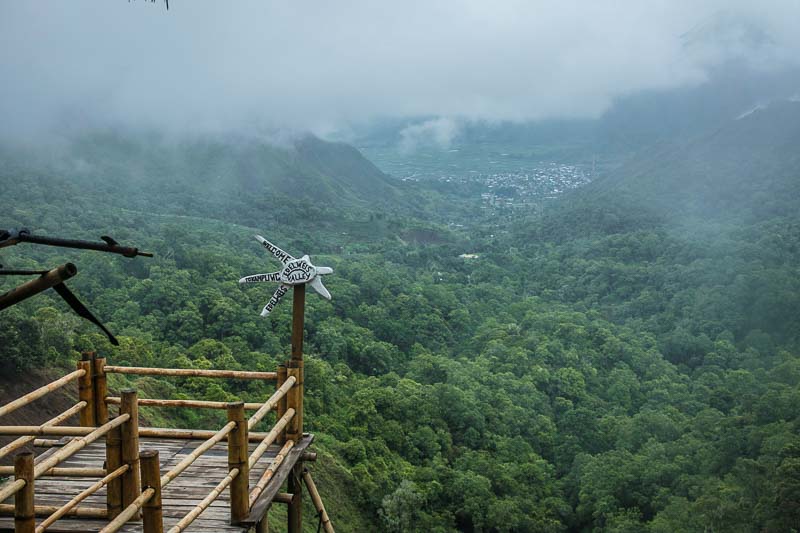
(35, 286)
(298, 315)
(280, 410)
(100, 389)
(113, 462)
(86, 391)
(294, 431)
(153, 520)
(318, 505)
(24, 517)
(131, 482)
(263, 525)
(238, 459)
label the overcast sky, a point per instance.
(319, 65)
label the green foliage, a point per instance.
(604, 367)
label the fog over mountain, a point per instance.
(209, 66)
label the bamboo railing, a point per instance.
(202, 404)
(131, 476)
(70, 505)
(41, 391)
(22, 441)
(270, 471)
(66, 472)
(190, 372)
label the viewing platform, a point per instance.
(109, 474)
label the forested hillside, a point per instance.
(609, 365)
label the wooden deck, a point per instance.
(178, 498)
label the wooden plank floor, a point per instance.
(178, 498)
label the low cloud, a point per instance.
(438, 132)
(207, 65)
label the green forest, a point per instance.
(625, 359)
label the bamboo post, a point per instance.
(86, 391)
(24, 517)
(238, 459)
(294, 400)
(100, 389)
(131, 483)
(113, 462)
(294, 513)
(280, 410)
(263, 525)
(318, 505)
(153, 521)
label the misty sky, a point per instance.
(319, 65)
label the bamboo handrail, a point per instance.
(41, 391)
(129, 512)
(267, 475)
(76, 445)
(47, 443)
(191, 372)
(187, 520)
(22, 441)
(47, 510)
(271, 403)
(62, 431)
(270, 438)
(197, 434)
(156, 402)
(11, 488)
(315, 497)
(67, 507)
(65, 472)
(192, 457)
(75, 431)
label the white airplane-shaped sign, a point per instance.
(294, 272)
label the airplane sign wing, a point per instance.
(279, 254)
